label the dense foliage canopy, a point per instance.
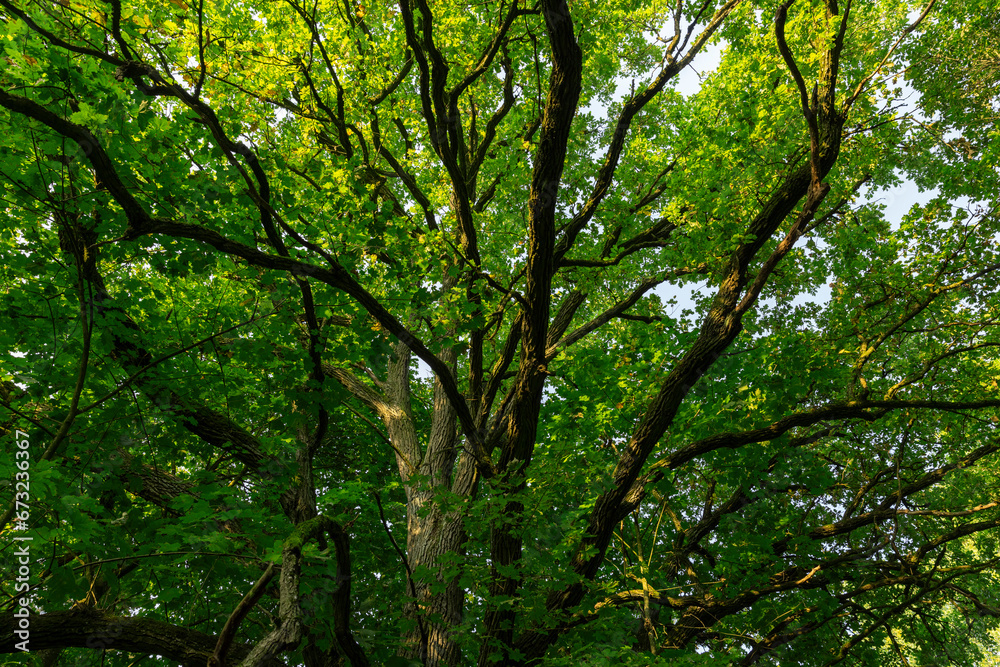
(443, 334)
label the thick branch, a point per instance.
(95, 630)
(289, 631)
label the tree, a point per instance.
(351, 333)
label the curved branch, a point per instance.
(142, 224)
(95, 630)
(866, 410)
(499, 39)
(289, 632)
(780, 17)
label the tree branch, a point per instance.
(95, 630)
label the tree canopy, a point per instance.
(442, 334)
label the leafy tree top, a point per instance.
(349, 333)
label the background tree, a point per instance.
(349, 333)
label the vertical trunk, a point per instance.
(431, 531)
(437, 611)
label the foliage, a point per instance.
(442, 334)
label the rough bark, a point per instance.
(93, 629)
